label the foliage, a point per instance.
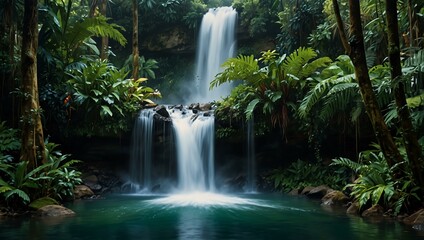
(301, 174)
(376, 183)
(17, 183)
(146, 67)
(293, 30)
(104, 98)
(8, 142)
(59, 179)
(56, 179)
(257, 17)
(277, 85)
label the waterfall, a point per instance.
(215, 45)
(141, 151)
(251, 161)
(194, 140)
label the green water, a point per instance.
(256, 216)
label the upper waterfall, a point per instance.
(216, 44)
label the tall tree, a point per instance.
(105, 39)
(412, 146)
(135, 39)
(8, 29)
(102, 6)
(33, 149)
(356, 51)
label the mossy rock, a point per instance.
(41, 202)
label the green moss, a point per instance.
(41, 202)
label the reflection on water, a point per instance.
(214, 217)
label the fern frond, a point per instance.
(244, 68)
(23, 195)
(295, 62)
(346, 162)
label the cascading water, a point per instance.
(194, 140)
(251, 161)
(141, 151)
(216, 44)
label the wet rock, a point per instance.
(82, 191)
(416, 220)
(91, 178)
(318, 192)
(294, 192)
(334, 197)
(41, 202)
(179, 107)
(161, 110)
(205, 106)
(95, 187)
(194, 106)
(207, 114)
(353, 208)
(306, 190)
(54, 211)
(374, 211)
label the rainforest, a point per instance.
(211, 119)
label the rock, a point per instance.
(334, 197)
(91, 178)
(207, 114)
(169, 40)
(416, 220)
(161, 110)
(353, 208)
(374, 211)
(41, 202)
(205, 106)
(294, 192)
(306, 190)
(318, 192)
(95, 187)
(82, 191)
(54, 211)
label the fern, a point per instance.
(346, 162)
(21, 194)
(244, 68)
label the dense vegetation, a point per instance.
(305, 86)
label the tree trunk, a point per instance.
(356, 52)
(412, 146)
(105, 40)
(93, 7)
(7, 85)
(33, 149)
(135, 40)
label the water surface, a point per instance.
(252, 216)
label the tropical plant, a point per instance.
(59, 179)
(56, 179)
(16, 185)
(9, 142)
(146, 67)
(376, 184)
(278, 84)
(302, 173)
(104, 98)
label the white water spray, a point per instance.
(216, 44)
(141, 151)
(251, 161)
(194, 140)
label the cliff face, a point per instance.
(171, 40)
(177, 40)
